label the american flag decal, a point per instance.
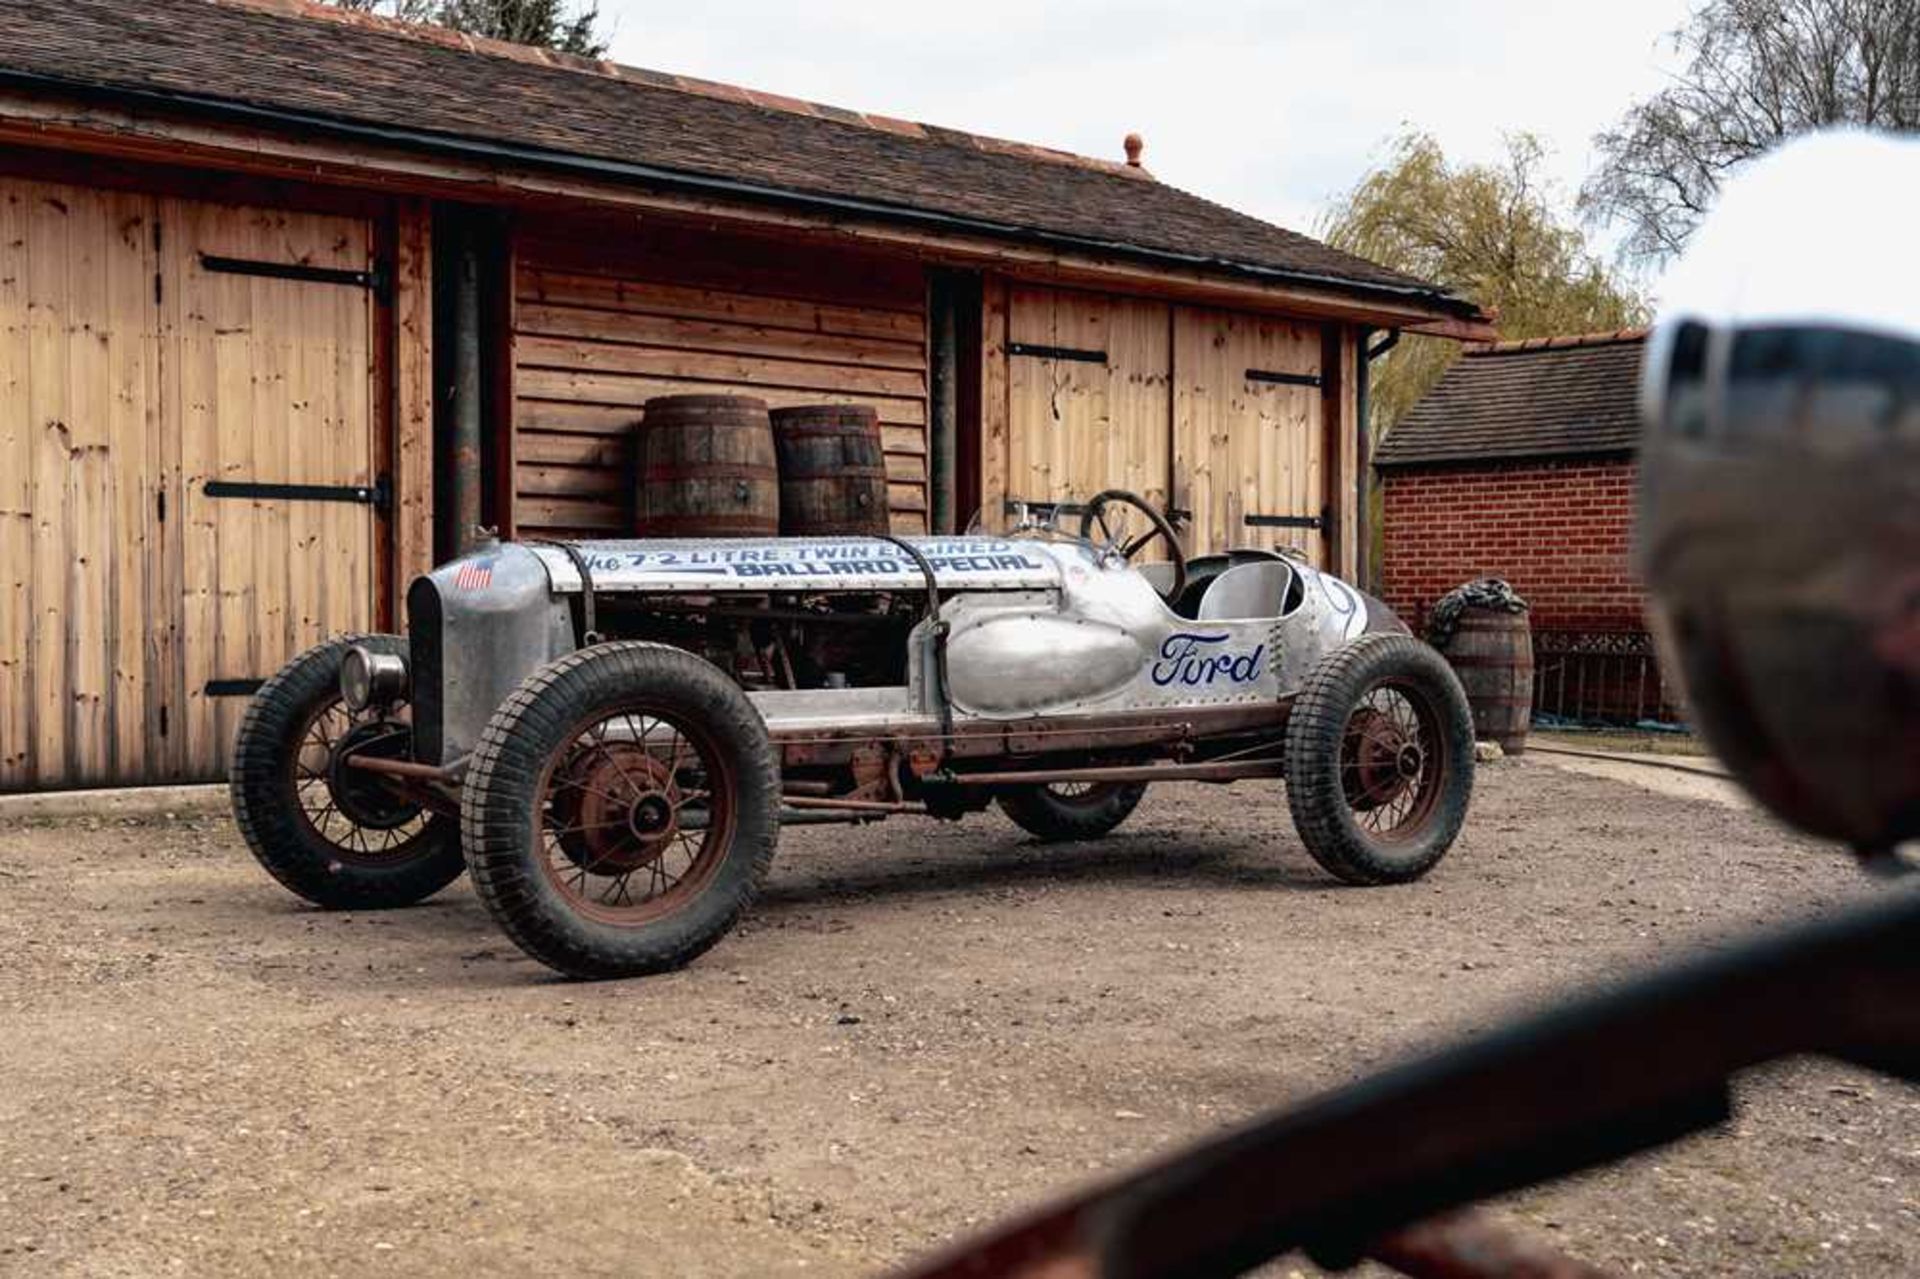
(474, 575)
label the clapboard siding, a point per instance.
(596, 336)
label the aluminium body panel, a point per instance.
(1033, 628)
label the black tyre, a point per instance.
(1379, 760)
(621, 810)
(335, 836)
(1071, 810)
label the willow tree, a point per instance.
(1490, 232)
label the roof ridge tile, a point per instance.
(1560, 342)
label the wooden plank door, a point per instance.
(271, 368)
(79, 582)
(1088, 387)
(1248, 437)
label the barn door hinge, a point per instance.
(1041, 351)
(375, 278)
(378, 495)
(1287, 521)
(1283, 379)
(233, 687)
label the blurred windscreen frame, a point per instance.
(1822, 387)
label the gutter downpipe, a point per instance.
(943, 450)
(1363, 479)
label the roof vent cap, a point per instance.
(1134, 144)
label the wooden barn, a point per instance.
(291, 300)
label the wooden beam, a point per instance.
(104, 129)
(1459, 330)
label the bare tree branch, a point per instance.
(1758, 72)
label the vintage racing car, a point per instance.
(609, 735)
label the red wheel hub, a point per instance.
(616, 807)
(1380, 760)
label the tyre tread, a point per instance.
(266, 823)
(495, 810)
(1315, 728)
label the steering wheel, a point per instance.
(1095, 515)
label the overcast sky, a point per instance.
(1272, 108)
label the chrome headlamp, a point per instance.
(368, 678)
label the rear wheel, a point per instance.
(621, 810)
(1071, 810)
(1379, 759)
(337, 836)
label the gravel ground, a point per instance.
(923, 1027)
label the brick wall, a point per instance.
(1559, 531)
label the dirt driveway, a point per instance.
(924, 1027)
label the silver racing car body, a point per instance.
(610, 734)
(1029, 627)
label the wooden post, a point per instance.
(993, 399)
(412, 399)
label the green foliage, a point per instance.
(553, 24)
(1489, 232)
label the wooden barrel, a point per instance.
(1492, 652)
(833, 471)
(706, 468)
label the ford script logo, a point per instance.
(1193, 659)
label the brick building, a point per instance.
(1520, 464)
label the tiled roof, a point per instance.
(425, 87)
(1546, 397)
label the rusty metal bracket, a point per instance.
(589, 622)
(943, 703)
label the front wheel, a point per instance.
(1379, 759)
(337, 836)
(1071, 810)
(621, 810)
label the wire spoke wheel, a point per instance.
(637, 812)
(621, 810)
(341, 837)
(1054, 811)
(1390, 760)
(351, 810)
(1379, 760)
